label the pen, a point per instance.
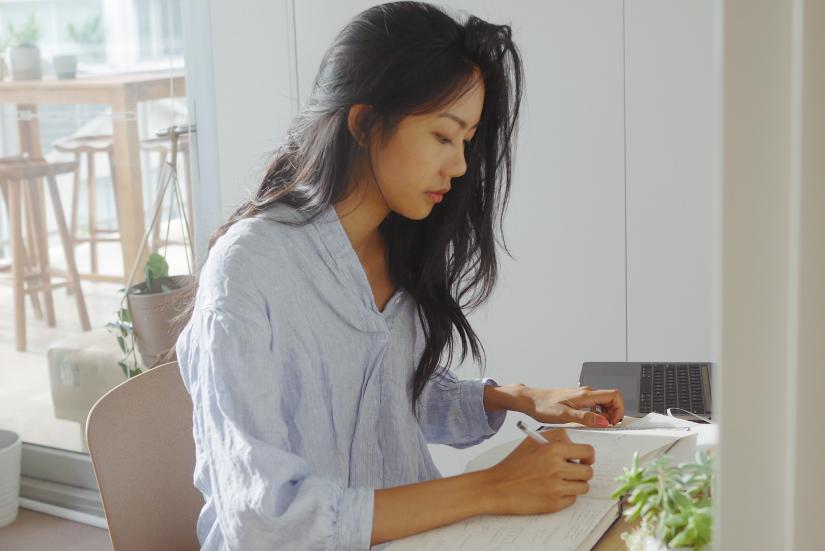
(612, 429)
(531, 433)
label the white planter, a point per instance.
(152, 315)
(10, 451)
(65, 66)
(640, 540)
(652, 544)
(25, 63)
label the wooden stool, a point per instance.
(28, 252)
(163, 148)
(90, 146)
(19, 178)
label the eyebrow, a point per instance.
(461, 122)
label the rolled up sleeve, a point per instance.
(264, 496)
(452, 411)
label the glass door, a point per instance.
(86, 86)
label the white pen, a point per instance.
(531, 433)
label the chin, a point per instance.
(415, 213)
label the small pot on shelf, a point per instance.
(65, 66)
(25, 62)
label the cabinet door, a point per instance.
(561, 300)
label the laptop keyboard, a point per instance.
(671, 386)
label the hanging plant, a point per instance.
(148, 320)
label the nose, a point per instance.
(458, 164)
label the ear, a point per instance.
(355, 119)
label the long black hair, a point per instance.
(401, 59)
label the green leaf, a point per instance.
(676, 521)
(681, 500)
(682, 539)
(156, 268)
(634, 512)
(124, 315)
(648, 508)
(122, 343)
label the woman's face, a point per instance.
(415, 167)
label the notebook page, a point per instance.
(614, 451)
(565, 530)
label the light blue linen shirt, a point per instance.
(300, 388)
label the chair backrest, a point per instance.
(143, 453)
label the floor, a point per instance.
(34, 531)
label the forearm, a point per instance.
(507, 397)
(406, 510)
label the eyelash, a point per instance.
(444, 141)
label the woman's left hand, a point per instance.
(564, 405)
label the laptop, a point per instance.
(655, 386)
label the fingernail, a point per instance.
(602, 422)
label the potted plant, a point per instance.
(673, 502)
(151, 320)
(89, 38)
(24, 55)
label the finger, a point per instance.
(588, 418)
(611, 399)
(576, 471)
(565, 501)
(555, 435)
(574, 488)
(583, 452)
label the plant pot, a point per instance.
(153, 315)
(641, 539)
(65, 66)
(652, 544)
(25, 63)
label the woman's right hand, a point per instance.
(537, 478)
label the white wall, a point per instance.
(670, 119)
(600, 127)
(772, 272)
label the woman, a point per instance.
(327, 302)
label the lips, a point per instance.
(434, 196)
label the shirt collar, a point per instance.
(332, 232)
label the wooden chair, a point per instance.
(143, 453)
(20, 178)
(86, 148)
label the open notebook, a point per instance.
(577, 527)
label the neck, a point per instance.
(361, 213)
